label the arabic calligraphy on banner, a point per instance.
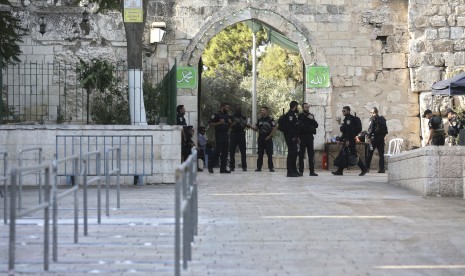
(317, 77)
(186, 77)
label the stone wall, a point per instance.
(429, 171)
(166, 148)
(380, 53)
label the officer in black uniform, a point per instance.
(291, 135)
(455, 125)
(266, 127)
(181, 121)
(221, 122)
(308, 126)
(348, 138)
(437, 135)
(239, 123)
(376, 140)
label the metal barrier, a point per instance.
(86, 182)
(279, 143)
(108, 173)
(21, 164)
(186, 206)
(4, 178)
(56, 196)
(136, 151)
(14, 173)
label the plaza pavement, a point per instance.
(261, 223)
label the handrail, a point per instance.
(186, 205)
(112, 172)
(20, 194)
(14, 173)
(86, 182)
(56, 196)
(4, 178)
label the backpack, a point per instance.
(282, 122)
(357, 125)
(381, 126)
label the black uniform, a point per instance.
(239, 123)
(308, 126)
(435, 123)
(180, 120)
(454, 129)
(348, 134)
(221, 140)
(185, 151)
(377, 142)
(292, 138)
(265, 126)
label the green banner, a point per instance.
(186, 77)
(317, 77)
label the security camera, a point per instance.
(157, 31)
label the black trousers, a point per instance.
(265, 146)
(291, 154)
(438, 141)
(237, 139)
(378, 144)
(221, 148)
(306, 144)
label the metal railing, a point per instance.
(57, 196)
(21, 164)
(86, 182)
(186, 208)
(4, 178)
(279, 143)
(113, 171)
(40, 91)
(136, 151)
(14, 175)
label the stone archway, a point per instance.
(283, 21)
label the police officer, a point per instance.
(455, 125)
(180, 112)
(181, 121)
(348, 138)
(239, 123)
(221, 122)
(291, 135)
(266, 127)
(376, 140)
(436, 129)
(308, 126)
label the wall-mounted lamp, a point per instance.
(85, 15)
(42, 25)
(157, 32)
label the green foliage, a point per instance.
(8, 112)
(278, 63)
(107, 5)
(11, 33)
(153, 101)
(223, 86)
(232, 46)
(276, 94)
(110, 105)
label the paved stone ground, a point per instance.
(263, 224)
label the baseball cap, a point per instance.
(428, 111)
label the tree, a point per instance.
(11, 33)
(279, 63)
(231, 46)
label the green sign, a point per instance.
(186, 77)
(317, 77)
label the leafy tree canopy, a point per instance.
(278, 63)
(11, 33)
(233, 46)
(107, 5)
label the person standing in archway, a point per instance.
(292, 139)
(221, 122)
(239, 123)
(308, 126)
(266, 127)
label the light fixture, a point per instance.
(157, 32)
(85, 16)
(42, 25)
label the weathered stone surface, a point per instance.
(394, 61)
